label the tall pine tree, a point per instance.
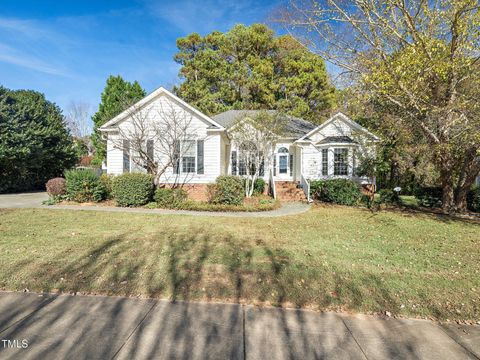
(116, 97)
(251, 68)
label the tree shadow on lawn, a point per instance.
(197, 264)
(427, 213)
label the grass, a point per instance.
(408, 200)
(331, 257)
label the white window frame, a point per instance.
(346, 163)
(182, 156)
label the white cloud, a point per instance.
(15, 57)
(206, 16)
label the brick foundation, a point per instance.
(196, 192)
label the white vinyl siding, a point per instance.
(199, 130)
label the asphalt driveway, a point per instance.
(46, 326)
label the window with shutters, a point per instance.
(188, 153)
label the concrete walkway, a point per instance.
(34, 200)
(83, 327)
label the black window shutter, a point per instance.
(176, 157)
(262, 166)
(150, 149)
(200, 156)
(275, 165)
(126, 156)
(234, 163)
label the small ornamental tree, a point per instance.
(255, 137)
(156, 146)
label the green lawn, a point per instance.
(328, 258)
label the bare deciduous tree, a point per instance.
(157, 139)
(255, 138)
(418, 60)
(78, 119)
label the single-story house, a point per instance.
(206, 150)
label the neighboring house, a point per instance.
(305, 151)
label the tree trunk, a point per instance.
(448, 196)
(461, 199)
(469, 171)
(448, 203)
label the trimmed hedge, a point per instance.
(107, 181)
(56, 187)
(336, 191)
(226, 190)
(83, 185)
(262, 205)
(132, 189)
(473, 199)
(166, 197)
(429, 196)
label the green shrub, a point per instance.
(337, 191)
(388, 196)
(83, 185)
(263, 205)
(473, 199)
(226, 190)
(107, 181)
(259, 186)
(170, 198)
(132, 189)
(429, 196)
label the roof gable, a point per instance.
(294, 128)
(151, 97)
(344, 119)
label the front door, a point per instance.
(283, 163)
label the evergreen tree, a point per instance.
(118, 95)
(35, 144)
(251, 68)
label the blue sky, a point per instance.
(66, 49)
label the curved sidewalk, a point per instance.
(284, 210)
(34, 200)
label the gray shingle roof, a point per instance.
(295, 127)
(337, 139)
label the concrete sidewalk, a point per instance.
(83, 327)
